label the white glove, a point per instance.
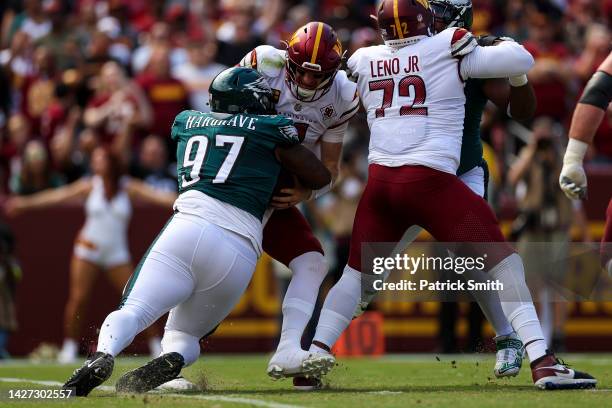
(573, 179)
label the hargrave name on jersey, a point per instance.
(194, 121)
(390, 67)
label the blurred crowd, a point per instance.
(77, 74)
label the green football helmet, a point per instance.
(240, 90)
(453, 13)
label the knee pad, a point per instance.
(183, 343)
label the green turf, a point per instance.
(391, 381)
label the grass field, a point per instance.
(390, 381)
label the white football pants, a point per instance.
(197, 271)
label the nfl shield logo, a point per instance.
(328, 112)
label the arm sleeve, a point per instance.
(598, 91)
(501, 61)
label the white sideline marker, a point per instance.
(239, 400)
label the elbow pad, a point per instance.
(598, 91)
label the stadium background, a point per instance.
(51, 55)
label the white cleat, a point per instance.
(180, 383)
(295, 362)
(318, 364)
(287, 362)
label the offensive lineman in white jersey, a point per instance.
(412, 89)
(309, 88)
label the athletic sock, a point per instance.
(309, 270)
(490, 305)
(339, 307)
(517, 305)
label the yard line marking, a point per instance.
(248, 401)
(240, 400)
(49, 383)
(385, 392)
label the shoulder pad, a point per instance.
(270, 61)
(462, 43)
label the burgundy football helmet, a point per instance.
(402, 21)
(314, 49)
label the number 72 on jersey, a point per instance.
(404, 86)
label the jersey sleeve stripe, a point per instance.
(346, 119)
(350, 111)
(456, 48)
(458, 35)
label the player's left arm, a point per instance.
(507, 59)
(517, 99)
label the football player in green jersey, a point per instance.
(203, 259)
(516, 97)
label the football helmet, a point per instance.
(402, 22)
(240, 90)
(453, 13)
(313, 49)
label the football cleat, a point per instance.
(153, 374)
(509, 356)
(550, 373)
(307, 383)
(180, 383)
(287, 362)
(318, 364)
(295, 362)
(92, 373)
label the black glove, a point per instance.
(488, 40)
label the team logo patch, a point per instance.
(328, 112)
(289, 131)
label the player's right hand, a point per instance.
(573, 180)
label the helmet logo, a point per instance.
(424, 3)
(294, 40)
(338, 47)
(259, 85)
(420, 18)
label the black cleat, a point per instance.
(155, 373)
(92, 373)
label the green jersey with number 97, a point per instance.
(231, 157)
